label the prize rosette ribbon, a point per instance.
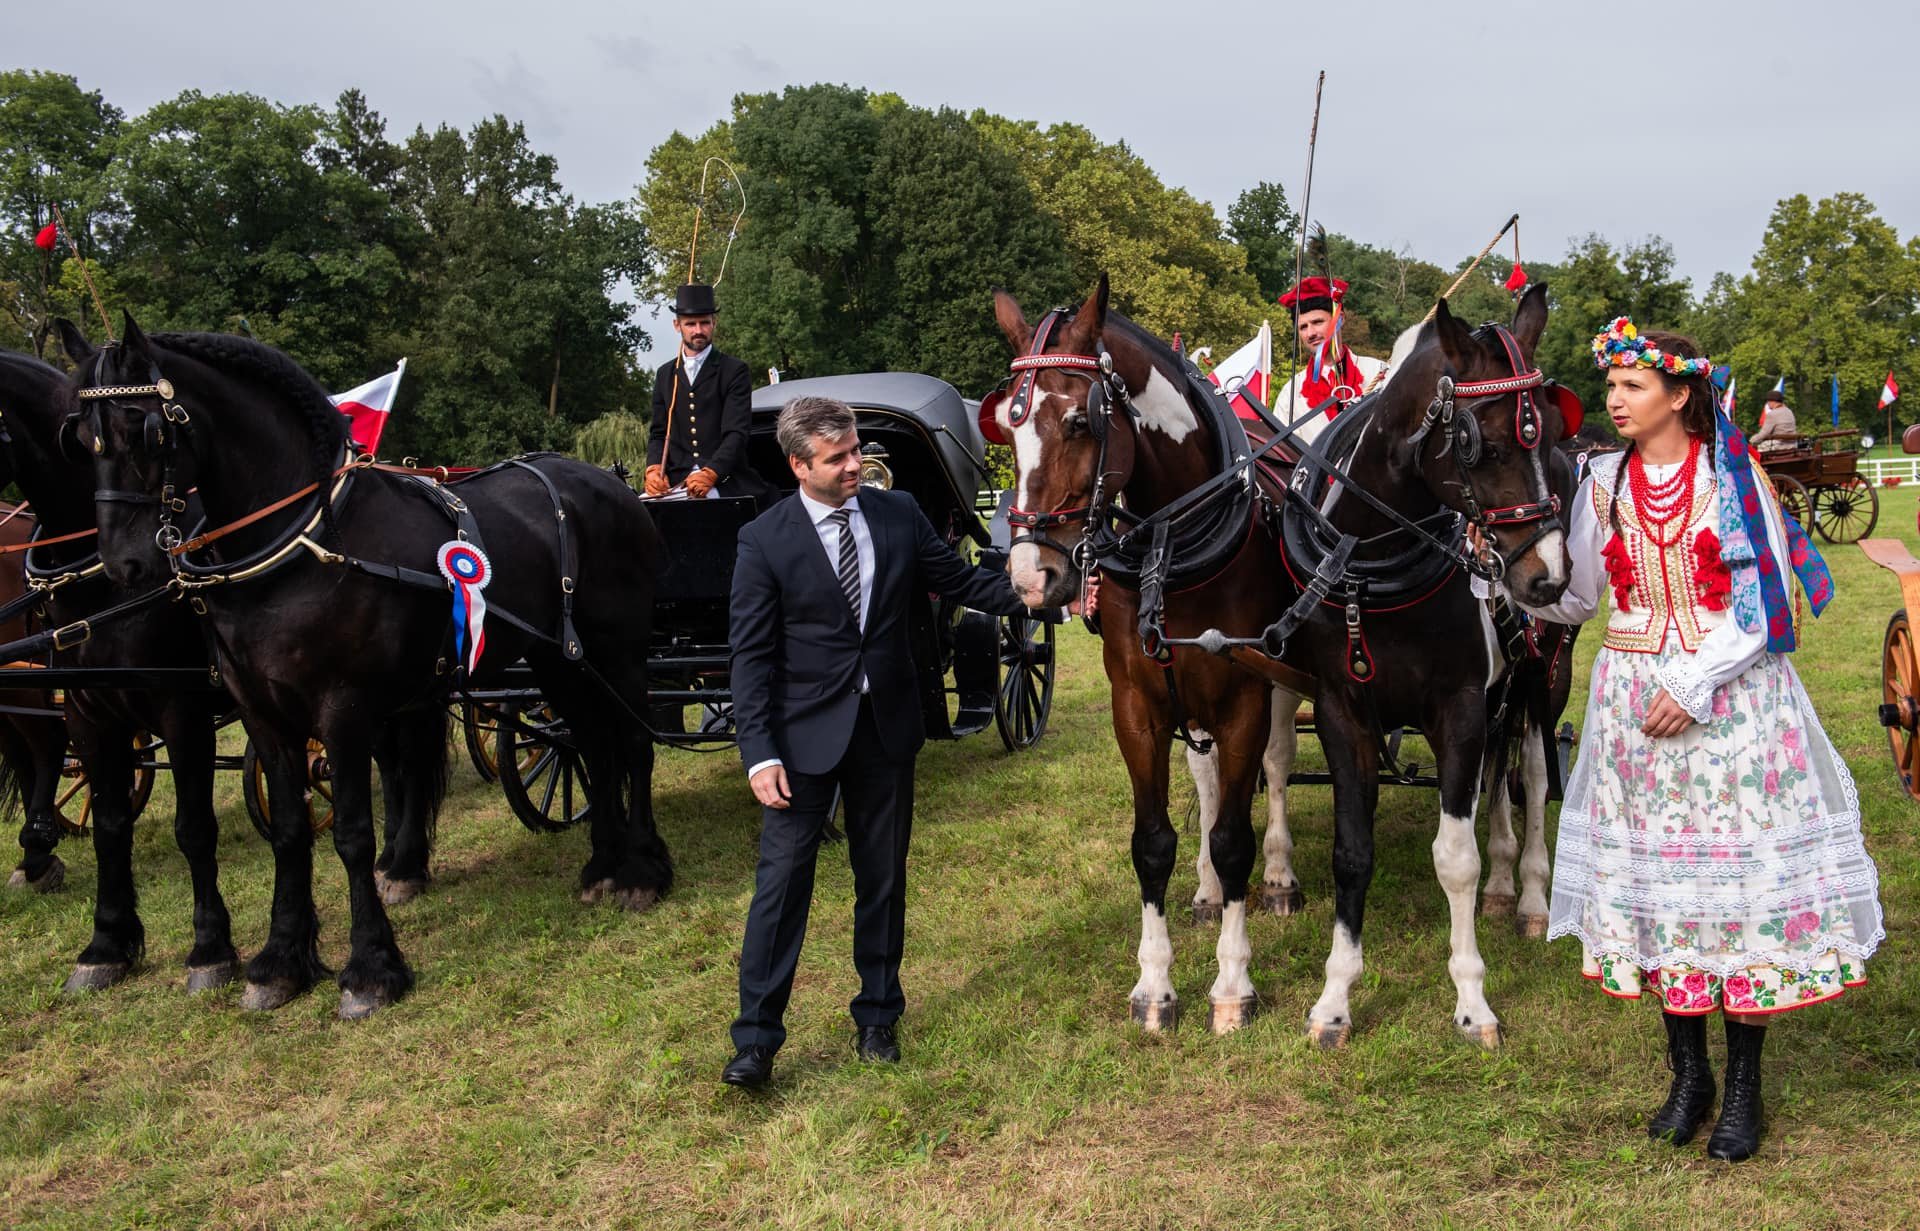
(465, 567)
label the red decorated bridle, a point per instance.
(1460, 432)
(1104, 388)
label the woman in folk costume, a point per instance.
(1331, 376)
(1710, 846)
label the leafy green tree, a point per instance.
(617, 436)
(517, 337)
(1264, 225)
(1833, 291)
(55, 141)
(1172, 268)
(876, 231)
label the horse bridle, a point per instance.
(161, 430)
(1461, 441)
(1105, 389)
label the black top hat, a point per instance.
(694, 299)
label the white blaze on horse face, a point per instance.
(1163, 409)
(1552, 547)
(1156, 958)
(1023, 562)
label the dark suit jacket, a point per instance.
(711, 417)
(797, 654)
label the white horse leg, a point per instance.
(1503, 848)
(1205, 769)
(1232, 995)
(1279, 888)
(1153, 1002)
(1536, 873)
(1456, 859)
(1330, 1021)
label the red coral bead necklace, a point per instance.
(1663, 507)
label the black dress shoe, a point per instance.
(877, 1043)
(751, 1067)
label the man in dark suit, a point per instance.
(824, 699)
(702, 408)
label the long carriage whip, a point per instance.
(693, 251)
(1512, 224)
(99, 304)
(1306, 207)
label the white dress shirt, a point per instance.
(829, 532)
(692, 363)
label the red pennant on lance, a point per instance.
(369, 405)
(49, 236)
(1517, 280)
(1888, 392)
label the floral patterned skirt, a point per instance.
(1725, 862)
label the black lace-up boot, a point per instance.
(1692, 1094)
(1737, 1135)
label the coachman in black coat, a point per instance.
(697, 436)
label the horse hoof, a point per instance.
(96, 976)
(208, 978)
(52, 877)
(1530, 927)
(636, 899)
(354, 1006)
(597, 890)
(1282, 899)
(1205, 912)
(399, 893)
(18, 880)
(1155, 1015)
(1231, 1015)
(266, 997)
(1330, 1036)
(1497, 905)
(1486, 1038)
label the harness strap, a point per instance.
(69, 635)
(569, 637)
(75, 537)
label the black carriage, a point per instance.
(918, 435)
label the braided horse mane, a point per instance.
(271, 370)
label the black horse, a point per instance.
(104, 724)
(318, 586)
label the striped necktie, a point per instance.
(849, 568)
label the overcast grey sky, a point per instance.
(1688, 120)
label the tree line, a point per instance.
(875, 229)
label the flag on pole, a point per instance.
(1836, 401)
(1247, 373)
(1888, 392)
(1733, 382)
(1780, 386)
(368, 407)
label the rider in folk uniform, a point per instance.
(1343, 379)
(702, 407)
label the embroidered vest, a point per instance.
(1666, 580)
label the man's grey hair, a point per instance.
(804, 418)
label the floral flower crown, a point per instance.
(1621, 346)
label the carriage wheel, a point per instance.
(543, 776)
(253, 787)
(73, 798)
(1900, 701)
(482, 736)
(1845, 511)
(1026, 681)
(1793, 498)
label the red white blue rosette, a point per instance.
(466, 569)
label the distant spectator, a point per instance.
(1777, 428)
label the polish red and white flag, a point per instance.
(369, 405)
(1888, 392)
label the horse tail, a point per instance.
(432, 761)
(11, 800)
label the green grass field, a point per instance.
(558, 1064)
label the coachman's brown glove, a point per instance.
(701, 481)
(657, 484)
